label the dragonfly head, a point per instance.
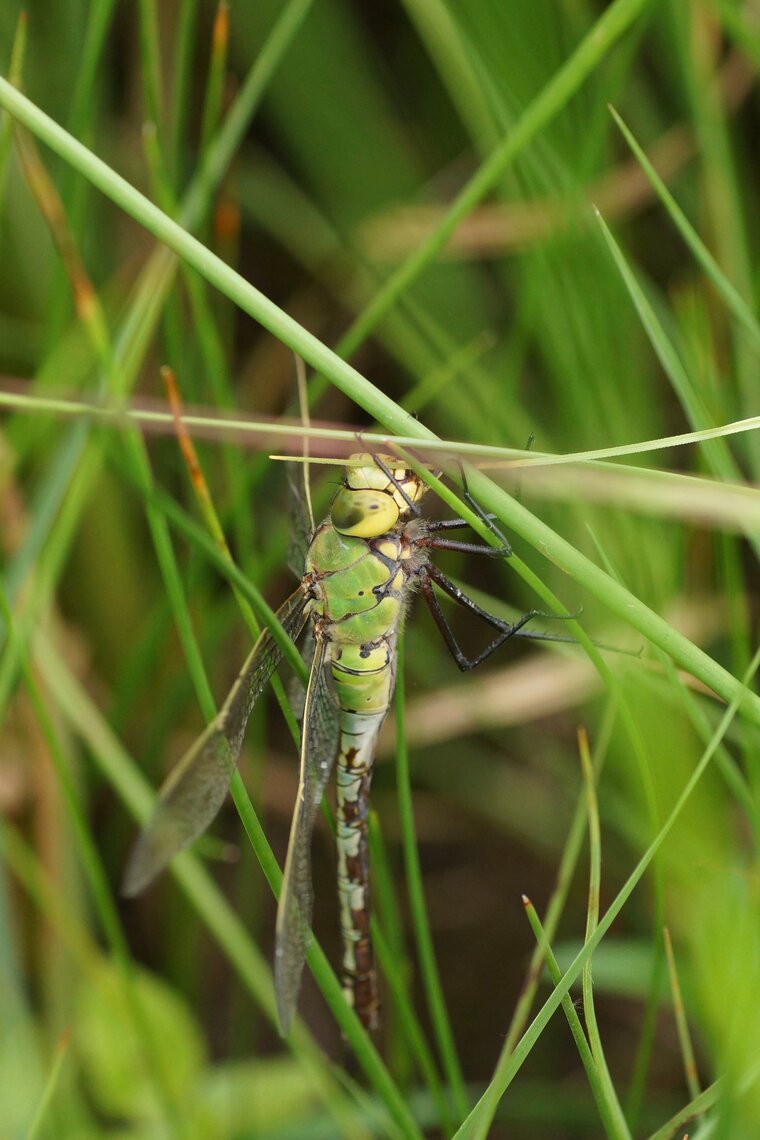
(370, 502)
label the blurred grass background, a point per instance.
(153, 1018)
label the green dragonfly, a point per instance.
(363, 564)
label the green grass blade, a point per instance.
(37, 1124)
(215, 84)
(150, 52)
(728, 291)
(693, 406)
(570, 854)
(99, 17)
(616, 1122)
(182, 73)
(584, 1051)
(685, 1116)
(682, 1024)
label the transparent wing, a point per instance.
(295, 689)
(300, 487)
(301, 532)
(302, 521)
(319, 747)
(194, 791)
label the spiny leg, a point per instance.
(515, 630)
(435, 543)
(433, 525)
(469, 603)
(464, 547)
(507, 630)
(475, 506)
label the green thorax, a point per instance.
(357, 584)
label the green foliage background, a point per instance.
(414, 186)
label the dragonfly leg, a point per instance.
(507, 631)
(475, 506)
(414, 508)
(465, 547)
(433, 525)
(437, 525)
(432, 574)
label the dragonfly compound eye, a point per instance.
(364, 513)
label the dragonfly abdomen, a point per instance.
(364, 677)
(354, 774)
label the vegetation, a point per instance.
(530, 221)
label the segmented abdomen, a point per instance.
(365, 695)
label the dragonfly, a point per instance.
(363, 565)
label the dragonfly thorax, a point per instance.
(376, 493)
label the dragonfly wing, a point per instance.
(302, 523)
(300, 486)
(295, 689)
(194, 791)
(319, 746)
